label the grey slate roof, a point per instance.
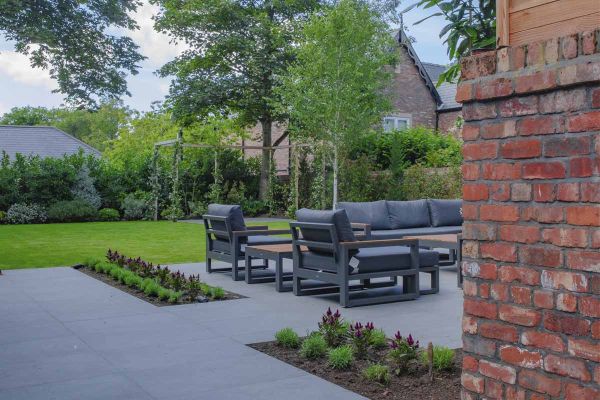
(445, 94)
(43, 141)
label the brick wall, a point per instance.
(447, 122)
(531, 327)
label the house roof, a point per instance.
(43, 141)
(444, 94)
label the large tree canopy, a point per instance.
(71, 39)
(237, 51)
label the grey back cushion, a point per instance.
(374, 213)
(339, 218)
(445, 212)
(409, 214)
(234, 212)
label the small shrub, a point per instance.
(108, 214)
(135, 206)
(217, 293)
(177, 281)
(164, 294)
(443, 358)
(341, 357)
(72, 211)
(133, 280)
(106, 267)
(193, 287)
(287, 338)
(378, 340)
(84, 188)
(151, 288)
(403, 353)
(116, 273)
(313, 347)
(333, 328)
(3, 217)
(175, 297)
(26, 214)
(360, 337)
(419, 182)
(126, 276)
(92, 262)
(377, 373)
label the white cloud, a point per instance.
(154, 45)
(17, 66)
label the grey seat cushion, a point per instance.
(374, 213)
(445, 212)
(408, 214)
(400, 233)
(234, 212)
(339, 218)
(375, 259)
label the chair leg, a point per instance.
(248, 268)
(209, 265)
(234, 268)
(297, 286)
(344, 294)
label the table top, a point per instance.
(274, 248)
(447, 238)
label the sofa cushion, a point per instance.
(400, 233)
(408, 214)
(374, 213)
(374, 259)
(236, 218)
(445, 212)
(337, 217)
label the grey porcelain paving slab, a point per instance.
(20, 332)
(105, 387)
(70, 366)
(32, 351)
(300, 388)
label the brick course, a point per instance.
(531, 258)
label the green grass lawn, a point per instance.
(51, 245)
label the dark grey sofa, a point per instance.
(395, 219)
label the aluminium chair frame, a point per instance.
(338, 265)
(235, 254)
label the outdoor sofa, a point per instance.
(386, 219)
(227, 236)
(325, 249)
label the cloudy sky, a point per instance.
(21, 85)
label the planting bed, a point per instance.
(360, 357)
(413, 386)
(150, 299)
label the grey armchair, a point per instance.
(227, 236)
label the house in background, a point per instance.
(415, 98)
(42, 141)
(416, 101)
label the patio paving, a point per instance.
(65, 335)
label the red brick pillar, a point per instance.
(531, 327)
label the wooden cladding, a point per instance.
(526, 21)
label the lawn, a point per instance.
(51, 245)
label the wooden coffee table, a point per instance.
(271, 252)
(452, 242)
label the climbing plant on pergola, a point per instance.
(178, 145)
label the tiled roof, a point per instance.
(43, 141)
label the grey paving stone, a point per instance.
(32, 351)
(113, 387)
(20, 332)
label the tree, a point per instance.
(335, 90)
(71, 39)
(28, 116)
(471, 25)
(237, 50)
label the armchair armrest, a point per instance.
(379, 243)
(261, 232)
(365, 228)
(257, 227)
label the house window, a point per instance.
(395, 123)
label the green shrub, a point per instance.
(72, 211)
(105, 267)
(3, 217)
(92, 262)
(378, 340)
(341, 357)
(333, 328)
(108, 214)
(26, 214)
(164, 294)
(377, 373)
(313, 347)
(116, 273)
(443, 358)
(133, 280)
(404, 353)
(287, 338)
(217, 293)
(419, 182)
(136, 206)
(126, 276)
(175, 297)
(151, 288)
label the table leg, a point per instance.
(248, 268)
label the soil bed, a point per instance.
(413, 386)
(149, 299)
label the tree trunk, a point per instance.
(265, 165)
(335, 175)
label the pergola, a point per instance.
(178, 144)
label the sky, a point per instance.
(21, 85)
